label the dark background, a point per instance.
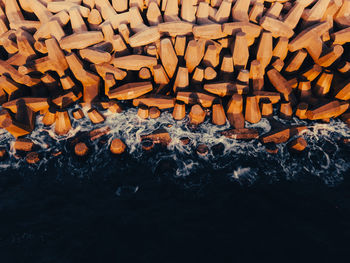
(48, 219)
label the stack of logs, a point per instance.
(241, 58)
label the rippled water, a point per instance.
(243, 161)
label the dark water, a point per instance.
(171, 205)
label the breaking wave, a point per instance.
(243, 161)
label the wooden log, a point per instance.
(276, 27)
(304, 38)
(240, 10)
(301, 110)
(77, 23)
(143, 112)
(313, 72)
(115, 107)
(274, 97)
(159, 75)
(154, 16)
(63, 123)
(252, 110)
(275, 10)
(175, 28)
(89, 80)
(95, 56)
(188, 11)
(316, 13)
(223, 13)
(182, 79)
(78, 114)
(145, 74)
(179, 111)
(180, 45)
(198, 75)
(80, 149)
(7, 40)
(23, 144)
(154, 113)
(218, 113)
(341, 37)
(278, 64)
(208, 31)
(281, 135)
(281, 48)
(144, 37)
(117, 146)
(304, 89)
(286, 110)
(252, 31)
(81, 40)
(298, 145)
(329, 58)
(171, 11)
(66, 99)
(11, 88)
(242, 84)
(266, 108)
(343, 93)
(197, 115)
(67, 83)
(134, 62)
(94, 19)
(241, 134)
(325, 111)
(296, 61)
(104, 68)
(49, 117)
(202, 14)
(209, 73)
(281, 85)
(202, 149)
(168, 56)
(53, 28)
(95, 116)
(130, 90)
(194, 54)
(159, 136)
(195, 97)
(344, 67)
(58, 6)
(234, 111)
(227, 64)
(293, 16)
(256, 75)
(160, 101)
(220, 88)
(264, 53)
(211, 57)
(240, 53)
(35, 104)
(323, 83)
(256, 12)
(56, 56)
(32, 158)
(124, 32)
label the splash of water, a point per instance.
(244, 161)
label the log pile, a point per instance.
(238, 58)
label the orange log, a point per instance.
(117, 146)
(197, 115)
(252, 110)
